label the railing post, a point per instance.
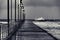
(11, 10)
(1, 37)
(15, 10)
(20, 8)
(18, 12)
(8, 15)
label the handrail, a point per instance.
(14, 31)
(51, 20)
(19, 22)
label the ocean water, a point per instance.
(51, 27)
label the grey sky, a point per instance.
(41, 2)
(33, 3)
(48, 9)
(35, 8)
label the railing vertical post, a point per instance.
(11, 10)
(15, 10)
(20, 8)
(18, 12)
(23, 15)
(8, 15)
(1, 37)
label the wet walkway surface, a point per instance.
(30, 31)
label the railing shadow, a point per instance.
(14, 30)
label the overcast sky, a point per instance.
(42, 8)
(41, 2)
(33, 3)
(35, 8)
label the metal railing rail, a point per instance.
(9, 21)
(51, 20)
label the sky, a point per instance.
(40, 2)
(48, 9)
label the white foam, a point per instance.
(4, 22)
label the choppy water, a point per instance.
(54, 30)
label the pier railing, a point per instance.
(15, 18)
